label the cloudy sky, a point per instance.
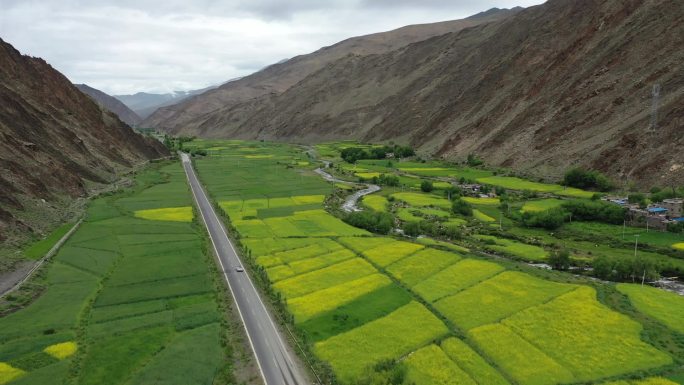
(126, 46)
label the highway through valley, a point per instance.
(274, 359)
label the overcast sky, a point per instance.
(126, 46)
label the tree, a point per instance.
(426, 186)
(587, 179)
(380, 223)
(462, 207)
(560, 259)
(473, 160)
(412, 229)
(548, 219)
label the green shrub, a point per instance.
(587, 179)
(426, 186)
(462, 207)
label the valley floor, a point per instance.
(135, 298)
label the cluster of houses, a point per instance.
(656, 216)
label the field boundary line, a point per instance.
(53, 250)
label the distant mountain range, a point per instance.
(144, 104)
(563, 84)
(124, 113)
(227, 105)
(57, 143)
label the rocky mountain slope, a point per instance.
(56, 143)
(112, 104)
(565, 83)
(277, 78)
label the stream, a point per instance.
(351, 203)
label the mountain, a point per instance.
(567, 83)
(57, 144)
(144, 104)
(112, 104)
(188, 115)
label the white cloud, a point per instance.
(163, 45)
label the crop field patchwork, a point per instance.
(664, 306)
(351, 315)
(518, 358)
(157, 288)
(498, 297)
(421, 265)
(323, 278)
(391, 252)
(472, 363)
(349, 353)
(455, 278)
(430, 365)
(328, 299)
(590, 333)
(357, 297)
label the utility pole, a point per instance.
(636, 243)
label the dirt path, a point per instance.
(11, 281)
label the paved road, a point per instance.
(274, 360)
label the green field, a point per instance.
(664, 306)
(375, 202)
(541, 205)
(39, 249)
(513, 248)
(120, 291)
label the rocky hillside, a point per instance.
(112, 104)
(55, 144)
(239, 94)
(565, 83)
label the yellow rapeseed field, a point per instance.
(350, 353)
(472, 363)
(175, 214)
(579, 332)
(310, 305)
(482, 201)
(455, 278)
(391, 252)
(521, 360)
(431, 366)
(9, 373)
(62, 350)
(678, 246)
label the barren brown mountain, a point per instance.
(111, 103)
(56, 142)
(275, 79)
(565, 83)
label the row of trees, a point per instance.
(581, 210)
(375, 222)
(353, 154)
(587, 179)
